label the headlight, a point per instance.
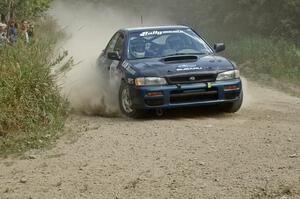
(150, 81)
(228, 75)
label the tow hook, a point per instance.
(159, 112)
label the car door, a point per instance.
(116, 44)
(119, 47)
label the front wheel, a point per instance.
(233, 106)
(126, 103)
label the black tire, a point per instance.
(233, 107)
(125, 102)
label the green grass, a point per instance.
(279, 59)
(32, 111)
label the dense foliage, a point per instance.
(265, 17)
(16, 9)
(32, 111)
(259, 56)
(279, 18)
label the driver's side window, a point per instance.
(112, 43)
(119, 44)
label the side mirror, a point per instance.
(114, 55)
(219, 47)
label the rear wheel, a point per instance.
(126, 103)
(233, 107)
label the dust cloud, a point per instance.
(89, 28)
(248, 98)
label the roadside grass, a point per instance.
(32, 111)
(260, 57)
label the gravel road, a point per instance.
(187, 154)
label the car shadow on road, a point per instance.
(172, 114)
(189, 112)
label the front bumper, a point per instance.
(195, 94)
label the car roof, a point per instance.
(138, 29)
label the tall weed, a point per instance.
(275, 57)
(31, 109)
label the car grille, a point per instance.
(187, 79)
(195, 95)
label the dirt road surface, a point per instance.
(191, 154)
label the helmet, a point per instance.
(175, 42)
(138, 47)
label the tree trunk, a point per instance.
(11, 10)
(2, 18)
(8, 11)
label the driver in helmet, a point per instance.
(138, 47)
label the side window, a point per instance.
(119, 44)
(111, 45)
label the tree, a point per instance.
(12, 9)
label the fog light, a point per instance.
(231, 87)
(154, 93)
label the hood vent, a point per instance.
(179, 59)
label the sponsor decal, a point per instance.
(157, 33)
(189, 67)
(128, 67)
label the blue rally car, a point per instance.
(168, 67)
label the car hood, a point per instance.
(180, 65)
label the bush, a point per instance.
(277, 58)
(32, 111)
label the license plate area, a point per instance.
(193, 95)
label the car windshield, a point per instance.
(164, 43)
